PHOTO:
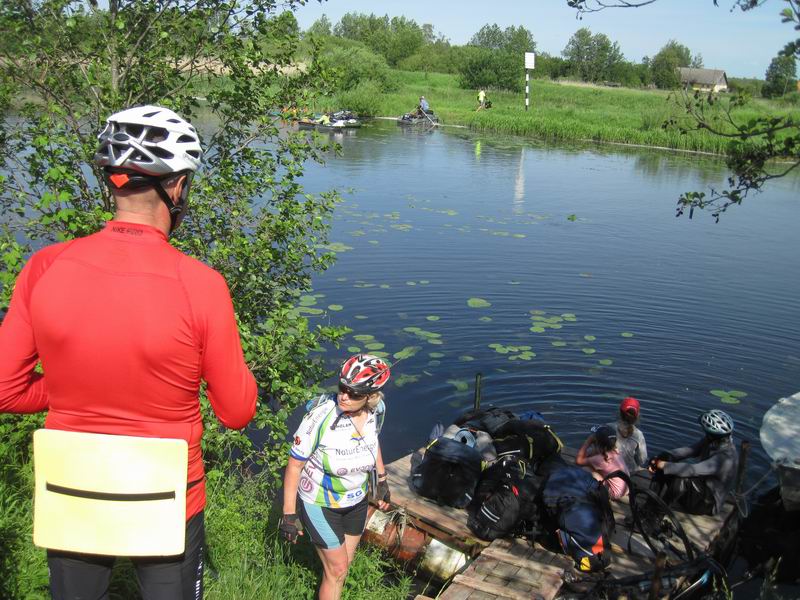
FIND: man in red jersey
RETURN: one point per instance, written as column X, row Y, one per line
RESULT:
column 126, row 327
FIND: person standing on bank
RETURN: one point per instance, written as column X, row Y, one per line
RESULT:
column 481, row 99
column 630, row 439
column 335, row 449
column 126, row 327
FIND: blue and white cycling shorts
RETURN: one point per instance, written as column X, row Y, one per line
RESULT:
column 326, row 527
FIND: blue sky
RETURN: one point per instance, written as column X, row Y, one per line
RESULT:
column 742, row 44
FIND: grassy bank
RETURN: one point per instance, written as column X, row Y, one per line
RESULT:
column 558, row 111
column 245, row 558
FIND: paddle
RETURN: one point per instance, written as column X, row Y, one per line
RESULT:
column 434, row 123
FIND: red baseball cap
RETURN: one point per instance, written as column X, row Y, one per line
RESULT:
column 630, row 405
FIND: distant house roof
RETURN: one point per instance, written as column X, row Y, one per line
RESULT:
column 703, row 76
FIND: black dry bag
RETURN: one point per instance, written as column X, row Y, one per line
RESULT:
column 449, row 473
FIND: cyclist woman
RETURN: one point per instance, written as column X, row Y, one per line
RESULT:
column 335, row 448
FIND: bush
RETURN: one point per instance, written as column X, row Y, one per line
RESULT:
column 439, row 57
column 356, row 64
column 750, row 86
column 495, row 69
column 364, row 99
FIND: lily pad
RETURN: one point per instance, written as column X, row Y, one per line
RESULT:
column 335, row 307
column 558, row 343
column 584, row 350
column 432, row 318
column 307, row 300
column 361, row 317
column 626, row 334
column 384, row 286
column 374, row 242
column 485, row 319
column 364, row 337
column 310, row 311
column 737, row 394
column 411, row 283
column 466, row 358
column 353, row 349
column 337, row 247
column 537, row 329
column 375, row 346
column 407, row 352
column 424, row 282
column 589, row 338
column 459, row 384
column 405, row 378
column 341, row 279
column 435, row 342
column 381, row 354
column 434, row 363
column 436, row 354
column 478, row 303
column 606, row 362
column 513, row 283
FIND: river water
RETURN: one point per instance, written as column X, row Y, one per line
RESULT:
column 562, row 275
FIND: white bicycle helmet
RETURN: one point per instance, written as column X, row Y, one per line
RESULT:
column 716, row 422
column 151, row 140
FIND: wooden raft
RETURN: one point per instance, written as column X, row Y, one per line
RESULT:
column 513, row 569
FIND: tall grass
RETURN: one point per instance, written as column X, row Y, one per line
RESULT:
column 565, row 112
column 245, row 559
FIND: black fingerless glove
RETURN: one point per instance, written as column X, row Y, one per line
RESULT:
column 290, row 527
column 382, row 493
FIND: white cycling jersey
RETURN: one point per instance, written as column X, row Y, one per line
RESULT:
column 338, row 460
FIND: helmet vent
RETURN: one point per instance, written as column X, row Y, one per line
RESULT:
column 173, row 121
column 157, row 134
column 151, row 114
column 134, row 130
column 193, row 153
column 185, row 139
column 161, row 152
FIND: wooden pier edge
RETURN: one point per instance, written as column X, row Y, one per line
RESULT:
column 514, row 569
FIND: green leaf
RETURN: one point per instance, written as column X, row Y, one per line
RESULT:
column 478, row 303
column 626, row 334
column 407, row 352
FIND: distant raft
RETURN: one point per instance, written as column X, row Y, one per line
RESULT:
column 416, row 119
column 342, row 119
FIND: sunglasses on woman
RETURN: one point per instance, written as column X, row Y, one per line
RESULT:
column 356, row 397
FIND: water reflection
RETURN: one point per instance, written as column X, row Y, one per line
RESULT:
column 519, row 183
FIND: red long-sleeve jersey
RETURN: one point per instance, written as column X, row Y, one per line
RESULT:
column 126, row 327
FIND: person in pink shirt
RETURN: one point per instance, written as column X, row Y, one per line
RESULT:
column 599, row 452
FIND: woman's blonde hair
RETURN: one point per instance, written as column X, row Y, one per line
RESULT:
column 373, row 400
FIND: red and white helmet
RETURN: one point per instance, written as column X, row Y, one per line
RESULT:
column 364, row 374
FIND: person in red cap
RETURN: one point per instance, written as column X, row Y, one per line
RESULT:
column 630, row 439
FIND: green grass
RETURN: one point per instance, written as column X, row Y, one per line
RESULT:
column 245, row 558
column 560, row 111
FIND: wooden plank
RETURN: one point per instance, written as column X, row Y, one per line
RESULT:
column 502, row 556
column 529, row 579
column 496, row 590
column 456, row 591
